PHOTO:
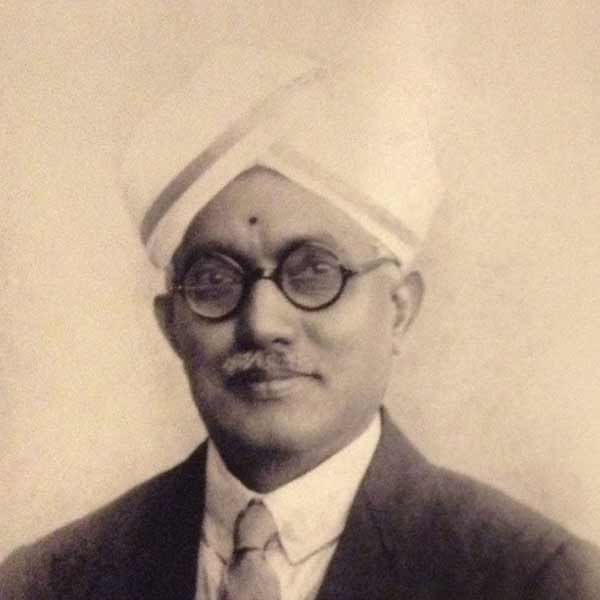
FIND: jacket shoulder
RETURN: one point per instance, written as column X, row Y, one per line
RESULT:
column 484, row 540
column 454, row 534
column 37, row 570
column 497, row 543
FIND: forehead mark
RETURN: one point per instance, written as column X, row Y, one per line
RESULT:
column 256, row 236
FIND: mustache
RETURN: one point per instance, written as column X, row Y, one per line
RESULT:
column 268, row 363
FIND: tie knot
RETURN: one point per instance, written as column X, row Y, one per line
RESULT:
column 254, row 527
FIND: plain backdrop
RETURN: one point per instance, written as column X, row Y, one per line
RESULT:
column 499, row 377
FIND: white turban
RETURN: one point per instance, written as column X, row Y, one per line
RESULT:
column 357, row 141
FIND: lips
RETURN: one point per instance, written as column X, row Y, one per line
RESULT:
column 269, row 384
column 267, row 375
column 255, row 376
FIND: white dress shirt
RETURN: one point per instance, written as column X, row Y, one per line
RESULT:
column 310, row 513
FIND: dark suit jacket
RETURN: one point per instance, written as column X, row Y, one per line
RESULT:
column 415, row 532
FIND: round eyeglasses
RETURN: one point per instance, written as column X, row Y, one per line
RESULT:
column 310, row 276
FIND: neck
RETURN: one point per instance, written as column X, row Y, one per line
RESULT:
column 264, row 472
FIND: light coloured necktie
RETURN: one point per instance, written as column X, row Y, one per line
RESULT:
column 248, row 575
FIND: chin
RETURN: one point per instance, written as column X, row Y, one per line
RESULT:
column 273, row 430
column 277, row 433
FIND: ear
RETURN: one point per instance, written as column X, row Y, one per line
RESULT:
column 407, row 296
column 163, row 312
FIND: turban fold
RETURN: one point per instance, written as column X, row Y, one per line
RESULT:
column 356, row 139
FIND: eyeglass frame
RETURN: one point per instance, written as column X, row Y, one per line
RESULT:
column 252, row 276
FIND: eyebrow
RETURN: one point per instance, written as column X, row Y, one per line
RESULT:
column 325, row 240
column 218, row 246
column 212, row 246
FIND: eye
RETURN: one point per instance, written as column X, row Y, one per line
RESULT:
column 321, row 267
column 309, row 259
column 213, row 276
column 312, row 275
column 313, row 270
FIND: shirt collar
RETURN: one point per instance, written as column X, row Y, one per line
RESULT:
column 310, row 511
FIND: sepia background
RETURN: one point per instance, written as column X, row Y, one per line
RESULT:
column 499, row 377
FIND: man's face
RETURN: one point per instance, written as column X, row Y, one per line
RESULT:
column 332, row 365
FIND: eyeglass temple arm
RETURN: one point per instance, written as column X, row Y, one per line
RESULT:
column 373, row 264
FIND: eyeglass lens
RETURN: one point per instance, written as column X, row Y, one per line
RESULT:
column 310, row 276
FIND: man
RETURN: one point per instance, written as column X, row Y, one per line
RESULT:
column 285, row 203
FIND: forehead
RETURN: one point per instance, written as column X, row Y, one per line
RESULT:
column 260, row 212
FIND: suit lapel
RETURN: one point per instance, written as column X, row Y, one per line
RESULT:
column 381, row 550
column 158, row 558
column 177, row 536
column 359, row 568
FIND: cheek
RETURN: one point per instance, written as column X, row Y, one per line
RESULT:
column 356, row 336
column 203, row 346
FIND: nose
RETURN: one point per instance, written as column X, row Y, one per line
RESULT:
column 267, row 318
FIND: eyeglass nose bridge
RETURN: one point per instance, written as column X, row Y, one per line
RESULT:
column 259, row 274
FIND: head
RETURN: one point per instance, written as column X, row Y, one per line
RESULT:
column 273, row 378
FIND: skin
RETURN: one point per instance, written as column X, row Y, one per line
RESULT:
column 273, row 432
